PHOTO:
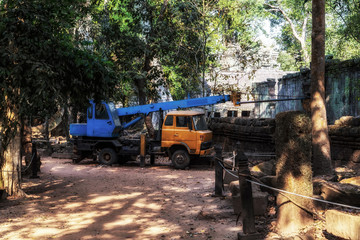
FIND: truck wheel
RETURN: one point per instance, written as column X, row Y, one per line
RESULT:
column 76, row 156
column 107, row 156
column 180, row 159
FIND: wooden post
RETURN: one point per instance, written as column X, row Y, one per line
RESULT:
column 35, row 164
column 219, row 175
column 247, row 207
column 142, row 150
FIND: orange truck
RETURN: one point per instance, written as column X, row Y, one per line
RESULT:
column 184, row 135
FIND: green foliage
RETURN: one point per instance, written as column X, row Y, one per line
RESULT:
column 294, row 18
column 212, row 26
column 287, row 62
column 41, row 64
column 171, row 43
column 155, row 43
column 348, row 12
column 342, row 32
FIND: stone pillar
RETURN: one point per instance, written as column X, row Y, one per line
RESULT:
column 293, row 170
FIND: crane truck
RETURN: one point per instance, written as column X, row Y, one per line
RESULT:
column 181, row 135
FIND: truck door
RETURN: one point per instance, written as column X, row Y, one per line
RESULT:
column 185, row 133
column 167, row 136
column 100, row 124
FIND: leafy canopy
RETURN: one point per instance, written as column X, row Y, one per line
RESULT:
column 42, row 66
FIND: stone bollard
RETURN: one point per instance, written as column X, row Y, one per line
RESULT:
column 293, row 171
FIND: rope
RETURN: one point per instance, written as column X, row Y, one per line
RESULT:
column 221, row 161
column 28, row 166
column 291, row 193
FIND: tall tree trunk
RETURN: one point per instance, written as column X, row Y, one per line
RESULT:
column 320, row 135
column 47, row 137
column 141, row 82
column 140, row 85
column 11, row 170
column 11, row 167
column 26, row 142
column 66, row 121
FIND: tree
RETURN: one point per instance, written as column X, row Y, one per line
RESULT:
column 168, row 43
column 342, row 33
column 349, row 13
column 295, row 23
column 320, row 135
column 342, row 41
column 41, row 67
column 216, row 25
column 136, row 34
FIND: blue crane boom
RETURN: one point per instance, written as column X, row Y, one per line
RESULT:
column 103, row 118
column 180, row 104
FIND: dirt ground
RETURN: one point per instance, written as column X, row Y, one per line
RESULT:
column 90, row 201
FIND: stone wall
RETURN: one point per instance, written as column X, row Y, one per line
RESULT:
column 345, row 141
column 257, row 135
column 292, row 86
column 342, row 90
column 265, row 91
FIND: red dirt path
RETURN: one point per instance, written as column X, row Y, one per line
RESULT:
column 89, row 201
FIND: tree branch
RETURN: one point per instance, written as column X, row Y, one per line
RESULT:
column 299, row 38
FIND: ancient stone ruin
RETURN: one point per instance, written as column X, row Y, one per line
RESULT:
column 278, row 157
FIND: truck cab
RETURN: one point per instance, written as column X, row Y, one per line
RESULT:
column 184, row 135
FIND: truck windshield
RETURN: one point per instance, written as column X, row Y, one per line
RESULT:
column 113, row 114
column 199, row 122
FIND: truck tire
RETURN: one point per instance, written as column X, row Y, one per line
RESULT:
column 180, row 159
column 77, row 155
column 107, row 156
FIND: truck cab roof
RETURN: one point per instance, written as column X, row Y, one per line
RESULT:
column 185, row 113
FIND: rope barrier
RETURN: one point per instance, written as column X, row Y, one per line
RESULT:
column 28, row 166
column 291, row 193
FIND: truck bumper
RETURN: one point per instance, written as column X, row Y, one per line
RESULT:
column 206, row 153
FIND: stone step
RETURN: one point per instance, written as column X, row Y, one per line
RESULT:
column 343, row 224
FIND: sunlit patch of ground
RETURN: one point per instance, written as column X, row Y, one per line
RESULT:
column 86, row 201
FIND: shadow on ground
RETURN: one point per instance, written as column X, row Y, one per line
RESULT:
column 90, row 201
